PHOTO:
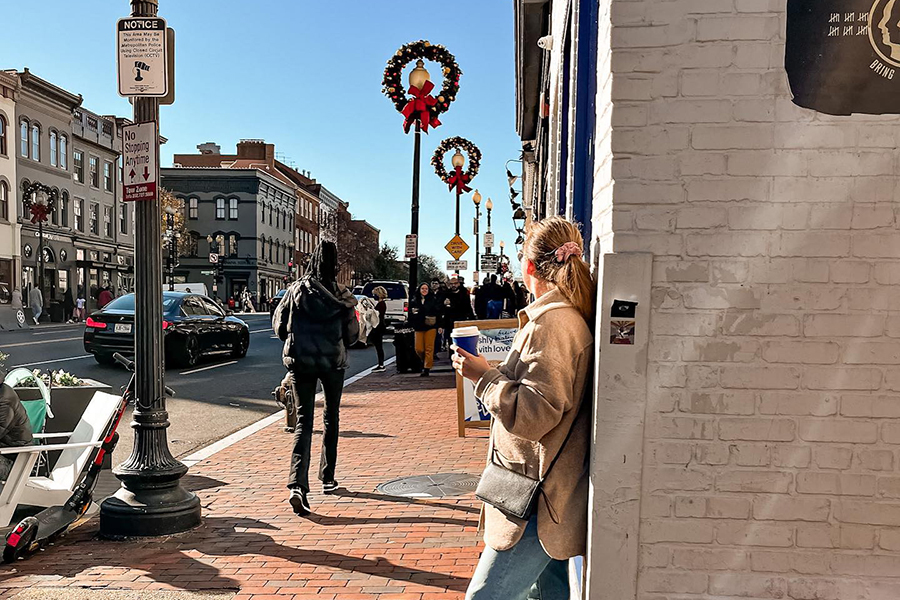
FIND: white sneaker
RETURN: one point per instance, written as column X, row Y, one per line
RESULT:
column 35, row 320
column 378, row 369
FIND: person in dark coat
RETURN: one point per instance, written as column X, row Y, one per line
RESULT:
column 15, row 428
column 521, row 295
column 316, row 319
column 457, row 304
column 495, row 298
column 481, row 299
column 377, row 335
column 425, row 313
column 68, row 306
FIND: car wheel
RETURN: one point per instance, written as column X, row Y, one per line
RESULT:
column 189, row 352
column 104, row 359
column 241, row 344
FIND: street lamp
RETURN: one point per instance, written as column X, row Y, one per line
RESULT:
column 172, row 239
column 476, row 198
column 291, row 262
column 40, row 201
column 220, row 268
column 417, row 79
column 489, row 205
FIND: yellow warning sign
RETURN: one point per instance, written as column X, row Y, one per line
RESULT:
column 457, row 247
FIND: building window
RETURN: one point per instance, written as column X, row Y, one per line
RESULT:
column 23, row 138
column 232, row 245
column 36, row 142
column 79, row 214
column 271, row 210
column 262, row 247
column 63, row 152
column 2, row 135
column 53, row 148
column 95, row 172
column 278, row 252
column 233, row 209
column 78, row 160
column 262, row 212
column 95, row 225
column 107, row 221
column 220, row 209
column 54, row 216
column 270, row 250
column 121, row 170
column 123, row 218
column 64, row 208
column 194, row 250
column 193, row 208
column 107, row 176
column 4, row 201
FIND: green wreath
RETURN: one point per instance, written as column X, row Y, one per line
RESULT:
column 422, row 107
column 457, row 179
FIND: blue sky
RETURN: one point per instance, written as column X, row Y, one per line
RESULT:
column 306, row 76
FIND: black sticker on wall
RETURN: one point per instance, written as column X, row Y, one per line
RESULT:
column 843, row 56
column 622, row 309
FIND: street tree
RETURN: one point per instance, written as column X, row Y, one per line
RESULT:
column 387, row 264
column 168, row 200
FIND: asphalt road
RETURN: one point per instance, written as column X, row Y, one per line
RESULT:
column 214, row 399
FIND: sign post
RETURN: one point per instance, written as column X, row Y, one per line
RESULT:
column 151, row 501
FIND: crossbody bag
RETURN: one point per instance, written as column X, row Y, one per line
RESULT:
column 512, row 493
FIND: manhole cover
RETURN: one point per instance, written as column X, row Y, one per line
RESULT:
column 431, row 486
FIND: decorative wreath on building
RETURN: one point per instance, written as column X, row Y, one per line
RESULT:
column 39, row 211
column 422, row 107
column 457, row 179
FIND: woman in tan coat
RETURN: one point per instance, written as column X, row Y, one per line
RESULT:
column 536, row 396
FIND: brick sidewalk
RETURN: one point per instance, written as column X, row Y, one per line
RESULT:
column 358, row 545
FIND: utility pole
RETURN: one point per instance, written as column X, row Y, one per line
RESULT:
column 151, row 501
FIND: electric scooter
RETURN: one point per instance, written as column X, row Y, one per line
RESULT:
column 33, row 533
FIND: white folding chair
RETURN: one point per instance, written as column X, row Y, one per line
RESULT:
column 76, row 453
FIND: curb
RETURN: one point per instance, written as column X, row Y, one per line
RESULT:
column 241, row 434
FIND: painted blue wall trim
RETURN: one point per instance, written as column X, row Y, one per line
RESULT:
column 585, row 118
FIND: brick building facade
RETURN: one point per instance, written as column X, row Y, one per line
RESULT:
column 745, row 444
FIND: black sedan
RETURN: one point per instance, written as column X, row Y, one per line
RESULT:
column 273, row 303
column 193, row 325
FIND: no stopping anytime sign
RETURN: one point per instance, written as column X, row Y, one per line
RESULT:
column 139, row 155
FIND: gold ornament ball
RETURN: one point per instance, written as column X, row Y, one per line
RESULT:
column 440, row 98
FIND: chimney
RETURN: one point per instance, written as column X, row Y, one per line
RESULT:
column 252, row 149
column 209, row 148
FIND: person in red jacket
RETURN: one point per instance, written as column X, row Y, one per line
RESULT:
column 105, row 297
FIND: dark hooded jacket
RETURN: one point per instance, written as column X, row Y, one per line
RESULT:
column 316, row 319
column 15, row 428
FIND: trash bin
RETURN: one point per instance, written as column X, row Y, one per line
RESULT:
column 57, row 312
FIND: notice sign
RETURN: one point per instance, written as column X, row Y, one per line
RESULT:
column 457, row 265
column 141, row 55
column 843, row 56
column 412, row 246
column 139, row 155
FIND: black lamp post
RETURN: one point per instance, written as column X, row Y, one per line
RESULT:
column 476, row 199
column 40, row 200
column 220, row 267
column 417, row 79
column 151, row 501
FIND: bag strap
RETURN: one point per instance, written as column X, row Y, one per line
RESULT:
column 584, row 401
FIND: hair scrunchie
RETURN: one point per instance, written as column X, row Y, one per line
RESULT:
column 566, row 250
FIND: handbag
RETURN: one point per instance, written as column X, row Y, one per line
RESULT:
column 512, row 493
column 430, row 321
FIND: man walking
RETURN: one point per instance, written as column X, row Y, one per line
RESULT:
column 36, row 302
column 316, row 319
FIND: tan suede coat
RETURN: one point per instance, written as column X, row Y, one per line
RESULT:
column 534, row 396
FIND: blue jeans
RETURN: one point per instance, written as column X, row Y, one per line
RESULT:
column 523, row 572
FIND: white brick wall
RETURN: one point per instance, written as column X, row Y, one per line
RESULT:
column 770, row 442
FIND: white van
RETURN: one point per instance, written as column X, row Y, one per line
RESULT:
column 194, row 288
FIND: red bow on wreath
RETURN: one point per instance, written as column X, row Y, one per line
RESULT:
column 459, row 181
column 39, row 213
column 417, row 109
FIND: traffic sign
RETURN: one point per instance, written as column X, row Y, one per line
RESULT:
column 489, row 240
column 207, row 272
column 457, row 265
column 457, row 247
column 214, row 259
column 490, row 263
column 139, row 151
column 142, row 57
column 412, row 246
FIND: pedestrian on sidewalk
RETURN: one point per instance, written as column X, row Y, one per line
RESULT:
column 425, row 316
column 457, row 304
column 68, row 306
column 316, row 319
column 36, row 302
column 539, row 429
column 80, row 303
column 377, row 335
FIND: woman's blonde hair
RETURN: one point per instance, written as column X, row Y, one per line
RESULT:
column 555, row 247
column 380, row 292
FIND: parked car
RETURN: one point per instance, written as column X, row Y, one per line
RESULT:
column 193, row 325
column 397, row 301
column 274, row 300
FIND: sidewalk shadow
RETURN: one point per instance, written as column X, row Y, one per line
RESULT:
column 356, row 434
column 329, row 520
column 404, row 500
column 220, row 537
